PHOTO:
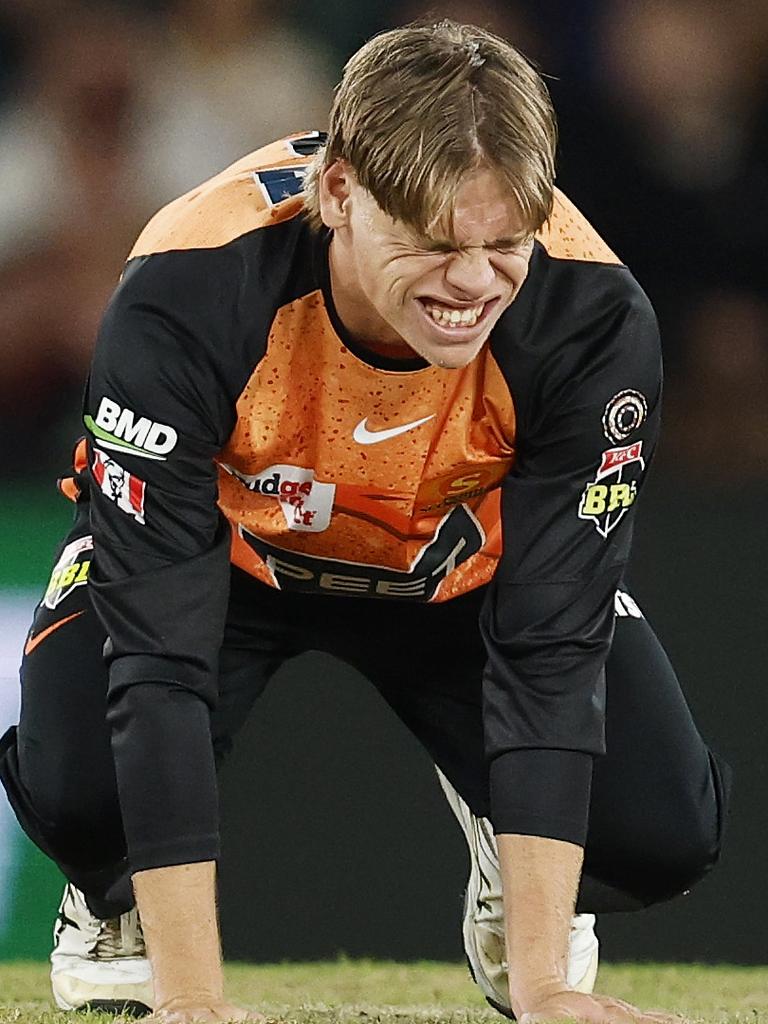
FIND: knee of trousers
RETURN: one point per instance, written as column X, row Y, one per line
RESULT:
column 82, row 828
column 653, row 875
column 664, row 863
column 674, row 871
column 701, row 834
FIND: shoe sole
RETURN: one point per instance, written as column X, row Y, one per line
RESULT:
column 71, row 993
column 126, row 1008
column 503, row 1010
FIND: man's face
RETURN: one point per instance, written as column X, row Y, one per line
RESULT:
column 440, row 295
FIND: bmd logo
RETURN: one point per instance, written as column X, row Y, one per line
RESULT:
column 120, row 430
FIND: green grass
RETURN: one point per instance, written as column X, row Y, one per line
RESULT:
column 427, row 993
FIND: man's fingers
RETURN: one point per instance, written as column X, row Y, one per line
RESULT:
column 594, row 1009
column 659, row 1017
column 577, row 1006
column 202, row 1015
column 643, row 1016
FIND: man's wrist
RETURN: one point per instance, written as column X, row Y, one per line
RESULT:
column 526, row 994
column 177, row 905
column 539, row 880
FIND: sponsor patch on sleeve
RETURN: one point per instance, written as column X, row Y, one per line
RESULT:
column 70, row 571
column 606, row 499
column 121, row 430
column 624, row 414
column 126, row 490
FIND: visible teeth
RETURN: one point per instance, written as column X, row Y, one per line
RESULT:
column 447, row 317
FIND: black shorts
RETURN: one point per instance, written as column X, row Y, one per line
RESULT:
column 658, row 795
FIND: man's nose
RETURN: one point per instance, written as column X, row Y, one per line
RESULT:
column 470, row 272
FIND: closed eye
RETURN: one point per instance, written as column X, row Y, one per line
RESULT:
column 505, row 246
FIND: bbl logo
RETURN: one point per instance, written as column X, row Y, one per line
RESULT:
column 70, row 571
column 624, row 414
column 612, row 493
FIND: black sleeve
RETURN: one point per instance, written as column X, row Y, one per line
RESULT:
column 589, row 421
column 158, row 408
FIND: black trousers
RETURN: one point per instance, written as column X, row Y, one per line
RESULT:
column 658, row 798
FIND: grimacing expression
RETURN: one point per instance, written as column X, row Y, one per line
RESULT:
column 442, row 294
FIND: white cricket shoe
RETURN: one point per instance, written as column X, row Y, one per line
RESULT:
column 99, row 965
column 483, row 927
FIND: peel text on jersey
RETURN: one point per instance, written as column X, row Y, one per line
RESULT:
column 363, row 435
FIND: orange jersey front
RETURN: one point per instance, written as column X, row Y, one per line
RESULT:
column 341, row 461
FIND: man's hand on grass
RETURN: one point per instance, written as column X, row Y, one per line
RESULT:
column 193, row 1011
column 593, row 1009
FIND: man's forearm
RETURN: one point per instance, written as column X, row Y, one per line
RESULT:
column 177, row 906
column 540, row 878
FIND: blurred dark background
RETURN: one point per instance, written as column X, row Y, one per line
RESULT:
column 336, row 836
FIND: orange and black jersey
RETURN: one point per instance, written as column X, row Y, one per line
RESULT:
column 231, row 418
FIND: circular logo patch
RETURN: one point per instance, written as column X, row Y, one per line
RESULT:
column 624, row 414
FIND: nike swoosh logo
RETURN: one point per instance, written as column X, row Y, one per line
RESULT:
column 33, row 641
column 365, row 436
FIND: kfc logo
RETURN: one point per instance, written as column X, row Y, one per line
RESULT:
column 120, row 486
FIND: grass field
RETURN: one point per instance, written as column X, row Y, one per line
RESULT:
column 427, row 993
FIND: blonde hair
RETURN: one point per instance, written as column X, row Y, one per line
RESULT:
column 420, row 106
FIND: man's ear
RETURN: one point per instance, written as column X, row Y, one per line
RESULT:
column 334, row 193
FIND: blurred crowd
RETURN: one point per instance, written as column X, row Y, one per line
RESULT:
column 109, row 109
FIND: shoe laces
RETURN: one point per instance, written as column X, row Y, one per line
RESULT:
column 119, row 937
